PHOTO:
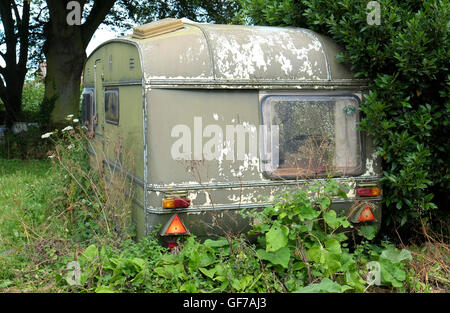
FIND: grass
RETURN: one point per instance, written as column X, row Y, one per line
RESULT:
column 36, row 245
column 23, row 192
column 27, row 236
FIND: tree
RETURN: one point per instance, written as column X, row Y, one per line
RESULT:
column 44, row 32
column 15, row 37
column 65, row 53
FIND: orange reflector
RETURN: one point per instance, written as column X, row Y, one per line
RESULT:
column 176, row 227
column 366, row 215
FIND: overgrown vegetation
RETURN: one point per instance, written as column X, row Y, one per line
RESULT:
column 67, row 213
column 27, row 144
column 405, row 60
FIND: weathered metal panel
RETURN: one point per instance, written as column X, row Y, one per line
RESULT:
column 171, row 107
column 252, row 53
column 182, row 54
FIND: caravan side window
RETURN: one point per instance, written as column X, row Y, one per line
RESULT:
column 112, row 106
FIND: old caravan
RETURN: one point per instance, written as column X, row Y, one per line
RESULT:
column 222, row 118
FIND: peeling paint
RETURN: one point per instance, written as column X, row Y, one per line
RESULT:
column 370, row 171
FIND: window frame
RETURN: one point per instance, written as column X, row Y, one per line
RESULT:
column 263, row 96
column 112, row 90
column 91, row 92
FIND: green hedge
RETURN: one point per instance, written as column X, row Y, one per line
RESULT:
column 405, row 59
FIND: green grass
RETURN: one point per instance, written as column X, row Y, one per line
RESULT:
column 36, row 242
column 26, row 189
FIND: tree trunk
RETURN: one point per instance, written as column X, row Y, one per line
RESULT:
column 65, row 60
column 15, row 30
column 64, row 50
column 13, row 101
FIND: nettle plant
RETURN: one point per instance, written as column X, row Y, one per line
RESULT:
column 305, row 241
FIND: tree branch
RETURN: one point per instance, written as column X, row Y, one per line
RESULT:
column 8, row 26
column 16, row 12
column 95, row 18
column 24, row 37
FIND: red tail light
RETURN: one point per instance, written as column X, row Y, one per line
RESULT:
column 366, row 215
column 174, row 203
column 368, row 192
column 172, row 245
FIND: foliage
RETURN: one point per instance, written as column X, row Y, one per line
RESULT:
column 39, row 241
column 301, row 248
column 25, row 145
column 305, row 241
column 212, row 11
column 32, row 95
column 99, row 197
column 407, row 110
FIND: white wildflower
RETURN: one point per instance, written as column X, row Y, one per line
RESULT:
column 70, row 146
column 67, row 128
column 75, row 120
column 70, row 116
column 46, row 135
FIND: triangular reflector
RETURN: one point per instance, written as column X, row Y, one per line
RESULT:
column 176, row 227
column 366, row 215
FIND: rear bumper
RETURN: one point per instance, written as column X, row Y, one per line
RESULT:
column 213, row 221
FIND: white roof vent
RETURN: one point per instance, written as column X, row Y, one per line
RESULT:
column 160, row 27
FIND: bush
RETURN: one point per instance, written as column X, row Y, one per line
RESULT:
column 407, row 110
column 24, row 145
column 32, row 96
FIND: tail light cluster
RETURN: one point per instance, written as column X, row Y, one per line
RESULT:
column 176, row 203
column 368, row 192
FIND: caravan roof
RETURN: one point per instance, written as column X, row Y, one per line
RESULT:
column 237, row 54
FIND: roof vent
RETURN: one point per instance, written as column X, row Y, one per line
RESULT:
column 160, row 27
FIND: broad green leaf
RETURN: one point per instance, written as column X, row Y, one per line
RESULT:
column 209, row 273
column 189, row 287
column 308, row 212
column 221, row 242
column 394, row 255
column 90, row 253
column 317, row 254
column 276, row 238
column 279, row 257
column 105, row 289
column 170, row 271
column 341, row 193
column 325, row 203
column 206, row 259
column 331, row 219
column 368, row 231
column 326, row 285
column 140, row 263
column 333, row 246
column 392, row 273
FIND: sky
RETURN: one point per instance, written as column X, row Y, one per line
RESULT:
column 100, row 36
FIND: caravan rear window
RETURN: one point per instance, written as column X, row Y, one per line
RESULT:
column 318, row 135
column 112, row 106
